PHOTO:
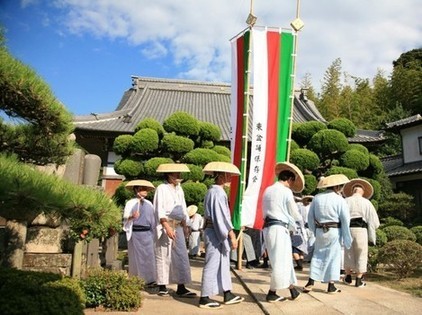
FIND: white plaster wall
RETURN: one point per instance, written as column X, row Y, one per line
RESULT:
column 410, row 140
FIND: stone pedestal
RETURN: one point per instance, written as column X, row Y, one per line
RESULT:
column 55, row 263
column 43, row 239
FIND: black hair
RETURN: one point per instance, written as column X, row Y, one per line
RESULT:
column 286, row 175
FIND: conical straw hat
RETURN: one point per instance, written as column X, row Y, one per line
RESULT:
column 299, row 183
column 140, row 182
column 332, row 180
column 350, row 186
column 192, row 210
column 221, row 167
column 172, row 168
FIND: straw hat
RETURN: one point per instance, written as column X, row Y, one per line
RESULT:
column 350, row 186
column 140, row 182
column 332, row 180
column 192, row 210
column 172, row 168
column 299, row 183
column 222, row 167
column 308, row 197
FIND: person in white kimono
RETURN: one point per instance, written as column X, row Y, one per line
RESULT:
column 171, row 214
column 218, row 230
column 304, row 210
column 299, row 238
column 196, row 223
column 280, row 214
column 139, row 224
column 363, row 224
column 329, row 220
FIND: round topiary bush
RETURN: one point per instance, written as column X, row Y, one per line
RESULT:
column 222, row 150
column 327, row 142
column 177, row 144
column 417, row 230
column 206, row 144
column 350, row 173
column 374, row 168
column 359, row 147
column 150, row 166
column 293, row 145
column 128, row 167
column 381, row 238
column 145, row 141
column 121, row 195
column 303, row 132
column 377, row 189
column 194, row 192
column 304, row 159
column 151, row 123
column 200, row 156
column 195, row 173
column 343, row 125
column 394, row 232
column 403, row 256
column 122, row 144
column 390, row 221
column 182, row 123
column 209, row 131
column 354, row 159
column 311, row 184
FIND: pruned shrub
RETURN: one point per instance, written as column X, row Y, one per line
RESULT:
column 128, row 167
column 293, row 145
column 417, row 230
column 151, row 123
column 145, row 141
column 311, row 184
column 182, row 123
column 177, row 144
column 200, row 156
column 194, row 192
column 122, row 144
column 150, row 166
column 343, row 125
column 381, row 238
column 222, row 150
column 354, row 159
column 304, row 159
column 374, row 168
column 121, row 195
column 206, row 144
column 399, row 233
column 303, row 132
column 403, row 256
column 372, row 258
column 327, row 142
column 209, row 131
column 389, row 221
column 194, row 175
column 350, row 173
column 399, row 205
column 376, row 185
column 359, row 147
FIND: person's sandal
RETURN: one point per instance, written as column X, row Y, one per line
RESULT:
column 308, row 288
column 206, row 302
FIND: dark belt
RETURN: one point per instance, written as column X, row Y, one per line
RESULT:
column 269, row 222
column 358, row 222
column 208, row 224
column 141, row 228
column 327, row 225
column 194, row 230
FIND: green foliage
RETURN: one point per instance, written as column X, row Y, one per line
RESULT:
column 343, row 125
column 129, row 168
column 150, row 166
column 29, row 292
column 122, row 144
column 200, row 156
column 311, row 184
column 417, row 230
column 194, row 192
column 222, row 150
column 374, row 169
column 182, row 123
column 122, row 195
column 403, row 256
column 293, row 146
column 195, row 173
column 206, row 144
column 145, row 141
column 177, row 145
column 377, row 189
column 399, row 205
column 390, row 221
column 395, row 232
column 114, row 290
column 350, row 173
column 305, row 159
column 303, row 132
column 359, row 147
column 373, row 258
column 151, row 123
column 327, row 142
column 381, row 238
column 209, row 131
column 355, row 159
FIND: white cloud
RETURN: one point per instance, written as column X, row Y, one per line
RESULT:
column 365, row 34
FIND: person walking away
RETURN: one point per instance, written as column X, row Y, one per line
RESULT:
column 280, row 214
column 219, row 237
column 171, row 214
column 299, row 238
column 196, row 223
column 304, row 210
column 329, row 220
column 139, row 224
column 363, row 224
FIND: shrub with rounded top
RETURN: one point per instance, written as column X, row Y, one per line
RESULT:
column 394, row 232
column 359, row 147
column 377, row 189
column 222, row 150
column 350, row 173
column 403, row 256
column 182, row 123
column 150, row 167
column 304, row 159
column 381, row 238
column 343, row 125
column 194, row 192
column 293, row 145
column 417, row 230
column 209, row 131
column 128, row 167
column 207, row 144
column 328, row 141
column 145, row 141
column 200, row 156
column 372, row 258
column 310, row 184
column 390, row 221
column 151, row 123
column 122, row 144
column 303, row 132
column 354, row 159
column 194, row 175
column 374, row 168
column 177, row 144
column 121, row 195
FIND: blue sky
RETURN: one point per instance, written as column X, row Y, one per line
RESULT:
column 87, row 50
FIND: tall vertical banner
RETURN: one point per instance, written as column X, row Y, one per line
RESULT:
column 272, row 70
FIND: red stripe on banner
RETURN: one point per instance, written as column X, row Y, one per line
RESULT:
column 237, row 156
column 273, row 46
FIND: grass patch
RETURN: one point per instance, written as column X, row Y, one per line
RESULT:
column 412, row 284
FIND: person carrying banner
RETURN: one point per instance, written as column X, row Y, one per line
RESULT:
column 329, row 220
column 363, row 223
column 219, row 237
column 171, row 215
column 280, row 214
column 139, row 224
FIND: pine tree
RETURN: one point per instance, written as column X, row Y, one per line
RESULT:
column 330, row 91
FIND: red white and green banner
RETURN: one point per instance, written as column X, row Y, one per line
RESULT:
column 270, row 114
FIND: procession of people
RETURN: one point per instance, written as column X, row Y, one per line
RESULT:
column 163, row 235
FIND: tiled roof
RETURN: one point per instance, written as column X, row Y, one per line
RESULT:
column 406, row 122
column 158, row 98
column 394, row 166
column 365, row 136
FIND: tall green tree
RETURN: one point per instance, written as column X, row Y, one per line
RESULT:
column 306, row 84
column 329, row 104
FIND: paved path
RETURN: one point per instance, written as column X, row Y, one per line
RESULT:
column 252, row 284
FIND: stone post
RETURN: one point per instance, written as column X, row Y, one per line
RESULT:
column 15, row 248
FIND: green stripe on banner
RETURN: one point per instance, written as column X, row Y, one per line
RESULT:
column 285, row 90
